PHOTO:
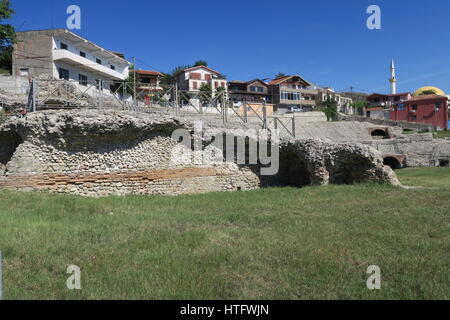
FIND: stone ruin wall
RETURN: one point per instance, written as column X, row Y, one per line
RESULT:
column 113, row 162
column 99, row 153
column 420, row 150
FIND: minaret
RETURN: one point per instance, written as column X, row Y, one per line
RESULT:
column 393, row 80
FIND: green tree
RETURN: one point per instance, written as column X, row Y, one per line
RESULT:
column 205, row 93
column 127, row 86
column 170, row 78
column 280, row 75
column 201, row 63
column 7, row 36
column 220, row 90
column 329, row 107
column 425, row 92
column 360, row 104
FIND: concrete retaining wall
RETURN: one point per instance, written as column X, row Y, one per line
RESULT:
column 14, row 85
column 386, row 122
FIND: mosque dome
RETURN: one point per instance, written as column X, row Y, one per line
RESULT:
column 429, row 90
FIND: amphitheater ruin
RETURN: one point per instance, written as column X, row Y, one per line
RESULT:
column 113, row 151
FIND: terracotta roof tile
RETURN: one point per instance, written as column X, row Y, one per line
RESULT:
column 198, row 67
column 149, row 72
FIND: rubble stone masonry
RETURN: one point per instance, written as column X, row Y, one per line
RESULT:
column 99, row 153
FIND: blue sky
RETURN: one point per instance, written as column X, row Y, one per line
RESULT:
column 327, row 42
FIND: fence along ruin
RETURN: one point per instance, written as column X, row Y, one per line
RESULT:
column 48, row 93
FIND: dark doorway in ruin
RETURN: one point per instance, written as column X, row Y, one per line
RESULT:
column 293, row 172
column 8, row 146
column 445, row 163
column 380, row 134
column 392, row 162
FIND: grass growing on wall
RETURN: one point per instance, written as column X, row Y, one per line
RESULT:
column 442, row 134
column 311, row 243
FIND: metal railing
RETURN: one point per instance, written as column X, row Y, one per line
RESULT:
column 50, row 93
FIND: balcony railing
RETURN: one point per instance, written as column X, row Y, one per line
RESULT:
column 86, row 64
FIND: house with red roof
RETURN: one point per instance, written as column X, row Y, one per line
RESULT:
column 289, row 92
column 248, row 91
column 148, row 80
column 192, row 79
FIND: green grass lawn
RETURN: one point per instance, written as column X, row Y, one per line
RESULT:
column 311, row 243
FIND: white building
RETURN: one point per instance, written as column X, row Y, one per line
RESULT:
column 65, row 55
column 192, row 79
column 343, row 104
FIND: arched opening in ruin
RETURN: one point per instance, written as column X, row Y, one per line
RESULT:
column 292, row 172
column 392, row 162
column 380, row 134
column 445, row 163
column 8, row 146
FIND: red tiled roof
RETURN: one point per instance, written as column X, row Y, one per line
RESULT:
column 279, row 80
column 149, row 72
column 285, row 78
column 198, row 67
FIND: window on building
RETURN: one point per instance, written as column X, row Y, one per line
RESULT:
column 401, row 107
column 82, row 80
column 63, row 74
column 414, row 107
column 24, row 72
column 437, row 106
column 253, row 89
column 194, row 85
column 397, row 99
column 413, row 118
column 113, row 67
column 99, row 84
column 99, row 61
column 64, row 46
column 82, row 54
column 292, row 96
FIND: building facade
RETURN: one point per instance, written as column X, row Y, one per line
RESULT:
column 248, row 91
column 148, row 82
column 344, row 104
column 292, row 92
column 65, row 55
column 192, row 79
column 428, row 109
column 378, row 100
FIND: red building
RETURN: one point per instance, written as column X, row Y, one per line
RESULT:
column 430, row 109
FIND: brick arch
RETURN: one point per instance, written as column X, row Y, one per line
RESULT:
column 394, row 161
column 380, row 133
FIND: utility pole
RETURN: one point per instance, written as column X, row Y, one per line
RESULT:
column 134, row 81
column 177, row 100
column 264, row 109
